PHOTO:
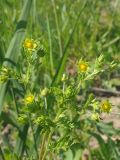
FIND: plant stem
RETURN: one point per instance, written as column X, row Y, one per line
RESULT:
column 50, row 43
column 15, row 104
column 58, row 30
column 35, row 144
column 48, row 141
column 42, row 146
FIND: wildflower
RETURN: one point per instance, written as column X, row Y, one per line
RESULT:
column 83, row 66
column 29, row 99
column 29, row 44
column 106, row 106
column 95, row 117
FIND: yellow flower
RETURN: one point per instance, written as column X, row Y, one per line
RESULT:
column 83, row 66
column 95, row 117
column 29, row 99
column 29, row 44
column 106, row 106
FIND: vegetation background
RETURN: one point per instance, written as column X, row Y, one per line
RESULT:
column 68, row 30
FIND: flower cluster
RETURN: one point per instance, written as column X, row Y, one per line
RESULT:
column 56, row 108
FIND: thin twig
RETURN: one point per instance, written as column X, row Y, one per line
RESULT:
column 102, row 91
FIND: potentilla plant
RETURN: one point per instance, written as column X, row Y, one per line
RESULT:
column 62, row 121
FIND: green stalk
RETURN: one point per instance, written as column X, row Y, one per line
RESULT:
column 46, row 147
column 42, row 146
column 14, row 101
column 14, row 47
column 57, row 27
column 111, row 42
column 2, row 54
column 50, row 43
column 33, row 24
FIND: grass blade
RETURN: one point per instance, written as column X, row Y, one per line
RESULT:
column 50, row 43
column 20, row 145
column 102, row 143
column 13, row 49
column 57, row 28
column 2, row 154
column 10, row 118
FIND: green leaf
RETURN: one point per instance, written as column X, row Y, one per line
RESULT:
column 21, row 141
column 14, row 47
column 107, row 129
column 10, row 118
column 104, row 150
column 68, row 155
column 13, row 54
